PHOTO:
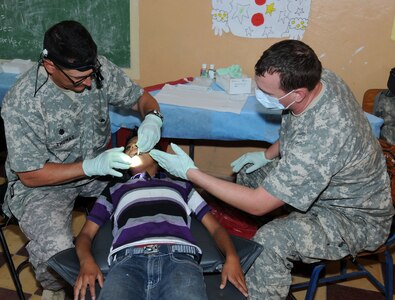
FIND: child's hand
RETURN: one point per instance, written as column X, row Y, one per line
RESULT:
column 89, row 272
column 232, row 271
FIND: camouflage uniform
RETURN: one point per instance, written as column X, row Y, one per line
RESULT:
column 333, row 173
column 56, row 126
column 384, row 107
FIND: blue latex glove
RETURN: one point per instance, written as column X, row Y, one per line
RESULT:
column 177, row 165
column 106, row 162
column 257, row 159
column 149, row 133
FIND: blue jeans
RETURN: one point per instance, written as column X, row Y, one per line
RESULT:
column 165, row 276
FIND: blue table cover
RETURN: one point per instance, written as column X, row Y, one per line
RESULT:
column 7, row 80
column 253, row 123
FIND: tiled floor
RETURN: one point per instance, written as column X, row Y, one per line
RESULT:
column 16, row 243
column 356, row 289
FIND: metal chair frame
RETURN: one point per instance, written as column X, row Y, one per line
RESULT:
column 14, row 271
column 316, row 278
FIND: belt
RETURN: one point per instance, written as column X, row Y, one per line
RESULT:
column 160, row 248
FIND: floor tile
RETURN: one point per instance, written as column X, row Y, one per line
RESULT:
column 15, row 238
column 299, row 295
column 6, row 294
column 372, row 267
column 29, row 283
column 28, row 280
column 336, row 292
column 16, row 241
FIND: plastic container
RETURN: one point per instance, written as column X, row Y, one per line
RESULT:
column 212, row 72
column 203, row 70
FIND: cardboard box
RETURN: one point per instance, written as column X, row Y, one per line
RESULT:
column 235, row 85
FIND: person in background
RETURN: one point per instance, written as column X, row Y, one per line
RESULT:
column 57, row 127
column 327, row 166
column 153, row 254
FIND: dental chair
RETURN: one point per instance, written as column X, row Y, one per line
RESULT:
column 66, row 263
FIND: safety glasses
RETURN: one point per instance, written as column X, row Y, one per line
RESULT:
column 94, row 75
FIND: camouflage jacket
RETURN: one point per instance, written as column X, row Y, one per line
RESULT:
column 384, row 107
column 60, row 126
column 332, row 166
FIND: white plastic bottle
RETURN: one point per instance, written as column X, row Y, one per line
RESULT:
column 211, row 72
column 203, row 70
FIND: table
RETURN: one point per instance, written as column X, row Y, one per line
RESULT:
column 254, row 123
column 7, row 80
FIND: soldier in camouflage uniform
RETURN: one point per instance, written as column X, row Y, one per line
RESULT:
column 327, row 165
column 57, row 130
column 384, row 107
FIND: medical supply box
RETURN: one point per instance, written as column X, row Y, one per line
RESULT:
column 235, row 85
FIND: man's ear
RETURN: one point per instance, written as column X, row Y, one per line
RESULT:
column 300, row 94
column 49, row 66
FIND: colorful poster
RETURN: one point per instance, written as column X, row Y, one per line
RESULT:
column 261, row 18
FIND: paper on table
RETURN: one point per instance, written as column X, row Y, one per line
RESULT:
column 212, row 100
column 16, row 66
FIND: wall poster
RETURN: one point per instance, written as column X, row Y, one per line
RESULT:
column 261, row 18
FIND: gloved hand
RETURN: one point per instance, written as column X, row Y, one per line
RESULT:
column 106, row 162
column 149, row 133
column 257, row 159
column 177, row 165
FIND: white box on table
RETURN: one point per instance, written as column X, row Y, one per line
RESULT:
column 235, row 85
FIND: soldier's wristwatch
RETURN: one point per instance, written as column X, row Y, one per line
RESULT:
column 156, row 113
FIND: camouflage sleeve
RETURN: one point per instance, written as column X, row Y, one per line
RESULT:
column 302, row 174
column 312, row 151
column 326, row 153
column 384, row 107
column 25, row 135
column 120, row 89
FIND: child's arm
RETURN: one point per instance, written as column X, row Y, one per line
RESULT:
column 89, row 270
column 231, row 270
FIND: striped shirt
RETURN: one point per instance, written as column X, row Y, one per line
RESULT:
column 149, row 210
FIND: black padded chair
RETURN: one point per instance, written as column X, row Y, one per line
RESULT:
column 66, row 263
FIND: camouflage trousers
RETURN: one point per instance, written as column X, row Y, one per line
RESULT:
column 46, row 222
column 296, row 237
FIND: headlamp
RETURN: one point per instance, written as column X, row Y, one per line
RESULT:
column 92, row 64
column 68, row 63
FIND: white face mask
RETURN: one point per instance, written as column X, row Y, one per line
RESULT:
column 271, row 102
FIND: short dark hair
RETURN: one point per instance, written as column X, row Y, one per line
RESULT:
column 295, row 62
column 70, row 45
